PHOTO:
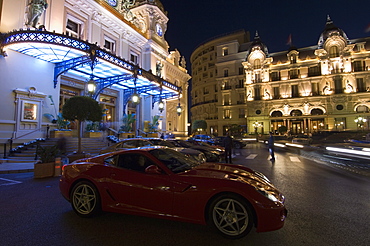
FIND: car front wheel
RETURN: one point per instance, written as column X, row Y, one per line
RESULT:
column 85, row 199
column 231, row 216
column 237, row 146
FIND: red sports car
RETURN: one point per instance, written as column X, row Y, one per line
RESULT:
column 161, row 182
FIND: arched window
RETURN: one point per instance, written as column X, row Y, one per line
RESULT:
column 296, row 112
column 276, row 114
column 362, row 109
column 333, row 52
column 317, row 111
column 257, row 64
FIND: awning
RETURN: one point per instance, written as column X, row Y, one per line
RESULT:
column 86, row 60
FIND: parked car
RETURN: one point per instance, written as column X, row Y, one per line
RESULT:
column 302, row 139
column 127, row 144
column 163, row 183
column 219, row 149
column 237, row 144
column 196, row 154
column 212, row 155
column 202, row 137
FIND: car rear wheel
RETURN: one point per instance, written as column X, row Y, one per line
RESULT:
column 231, row 216
column 237, row 145
column 85, row 199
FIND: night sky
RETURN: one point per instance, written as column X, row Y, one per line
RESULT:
column 191, row 22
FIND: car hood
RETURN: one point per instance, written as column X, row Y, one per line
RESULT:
column 228, row 172
column 187, row 150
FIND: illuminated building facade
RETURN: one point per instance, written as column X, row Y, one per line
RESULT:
column 52, row 50
column 324, row 87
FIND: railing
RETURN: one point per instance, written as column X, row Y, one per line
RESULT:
column 11, row 140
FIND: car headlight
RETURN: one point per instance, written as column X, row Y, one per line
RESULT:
column 269, row 194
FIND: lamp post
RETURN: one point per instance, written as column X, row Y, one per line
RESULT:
column 256, row 125
column 361, row 121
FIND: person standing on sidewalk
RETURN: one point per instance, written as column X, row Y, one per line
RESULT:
column 271, row 146
column 228, row 144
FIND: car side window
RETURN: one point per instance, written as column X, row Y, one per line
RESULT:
column 134, row 162
column 113, row 160
column 128, row 144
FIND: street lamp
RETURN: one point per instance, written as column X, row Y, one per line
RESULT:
column 179, row 109
column 360, row 122
column 91, row 86
column 161, row 106
column 256, row 125
column 135, row 98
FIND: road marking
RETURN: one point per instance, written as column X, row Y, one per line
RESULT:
column 294, row 159
column 8, row 182
column 251, row 156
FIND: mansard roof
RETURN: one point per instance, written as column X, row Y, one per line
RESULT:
column 257, row 42
column 328, row 30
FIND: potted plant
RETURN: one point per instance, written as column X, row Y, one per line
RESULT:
column 153, row 126
column 92, row 130
column 127, row 125
column 46, row 163
column 80, row 109
column 62, row 124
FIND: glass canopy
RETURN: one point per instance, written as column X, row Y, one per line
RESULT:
column 80, row 58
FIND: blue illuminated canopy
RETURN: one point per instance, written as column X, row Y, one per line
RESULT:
column 86, row 60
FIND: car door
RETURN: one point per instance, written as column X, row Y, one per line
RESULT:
column 138, row 191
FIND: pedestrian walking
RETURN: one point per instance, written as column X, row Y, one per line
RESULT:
column 62, row 145
column 228, row 144
column 271, row 146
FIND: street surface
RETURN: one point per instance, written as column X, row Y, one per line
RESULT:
column 326, row 206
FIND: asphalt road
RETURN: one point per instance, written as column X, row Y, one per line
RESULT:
column 327, row 206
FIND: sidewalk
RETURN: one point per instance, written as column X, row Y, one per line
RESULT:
column 13, row 167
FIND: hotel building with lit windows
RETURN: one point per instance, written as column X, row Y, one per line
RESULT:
column 50, row 50
column 324, row 87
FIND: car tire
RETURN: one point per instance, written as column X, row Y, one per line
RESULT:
column 85, row 199
column 237, row 146
column 231, row 216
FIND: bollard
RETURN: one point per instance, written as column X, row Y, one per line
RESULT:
column 4, row 157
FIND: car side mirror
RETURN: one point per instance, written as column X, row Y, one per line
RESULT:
column 153, row 169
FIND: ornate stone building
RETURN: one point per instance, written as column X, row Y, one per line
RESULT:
column 317, row 88
column 51, row 50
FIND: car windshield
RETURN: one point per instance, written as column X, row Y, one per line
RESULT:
column 185, row 144
column 175, row 161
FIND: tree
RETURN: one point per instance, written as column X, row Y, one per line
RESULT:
column 81, row 108
column 202, row 124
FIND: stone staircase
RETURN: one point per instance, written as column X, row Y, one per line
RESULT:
column 91, row 146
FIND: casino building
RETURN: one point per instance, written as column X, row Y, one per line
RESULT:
column 51, row 50
column 324, row 87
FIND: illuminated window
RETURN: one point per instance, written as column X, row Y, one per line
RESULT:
column 226, row 99
column 225, row 51
column 257, row 64
column 360, row 85
column 293, row 59
column 227, row 113
column 109, row 44
column 295, row 92
column 333, row 52
column 134, row 58
column 293, row 74
column 73, row 28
